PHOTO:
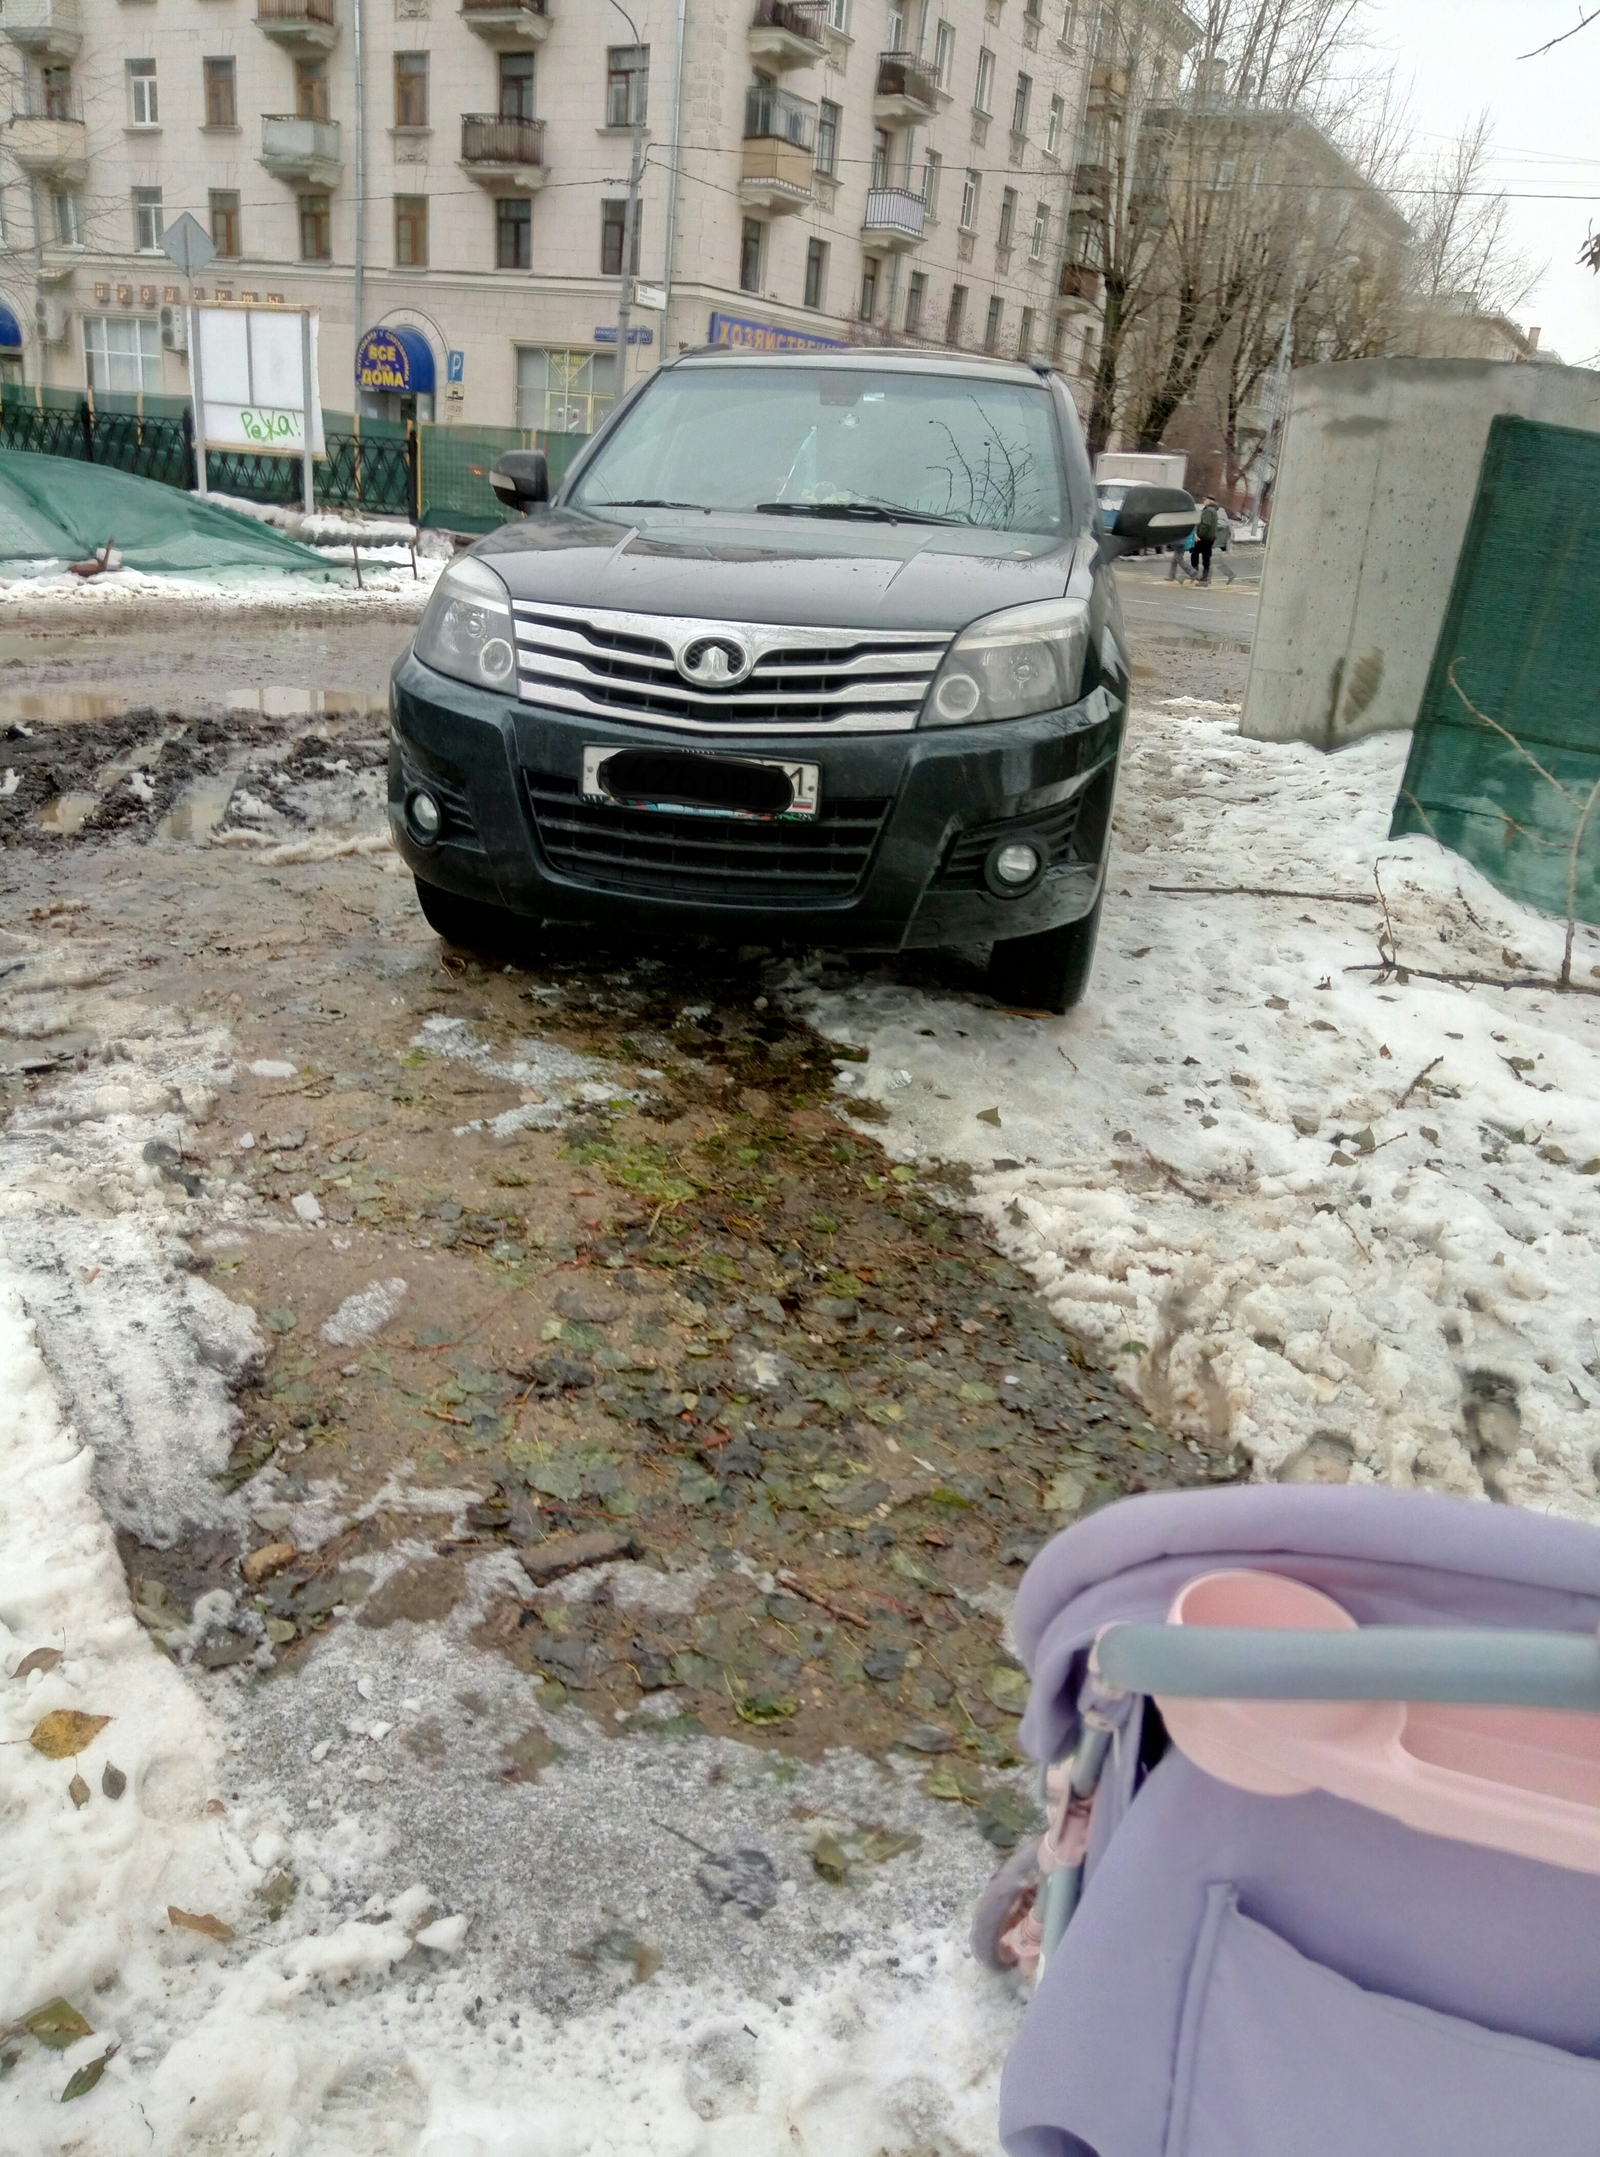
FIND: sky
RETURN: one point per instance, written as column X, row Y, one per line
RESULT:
column 1460, row 56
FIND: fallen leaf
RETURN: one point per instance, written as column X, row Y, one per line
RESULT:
column 745, row 1878
column 762, row 1708
column 879, row 1844
column 269, row 1559
column 78, row 1791
column 64, row 1732
column 192, row 1921
column 57, row 2024
column 277, row 1893
column 829, row 1861
column 955, row 1782
column 86, row 2077
column 531, row 1755
column 1006, row 1686
column 989, row 1115
column 39, row 1659
column 112, row 1781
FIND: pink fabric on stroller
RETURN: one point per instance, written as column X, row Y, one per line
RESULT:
column 1255, row 1976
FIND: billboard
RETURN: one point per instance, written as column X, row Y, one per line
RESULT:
column 254, row 386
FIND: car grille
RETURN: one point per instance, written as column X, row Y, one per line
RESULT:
column 1053, row 830
column 454, row 803
column 719, row 859
column 608, row 665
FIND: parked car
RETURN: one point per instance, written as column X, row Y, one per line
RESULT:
column 817, row 648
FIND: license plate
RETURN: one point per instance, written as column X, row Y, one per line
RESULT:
column 804, row 779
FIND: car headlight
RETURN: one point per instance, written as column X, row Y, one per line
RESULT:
column 467, row 631
column 1028, row 659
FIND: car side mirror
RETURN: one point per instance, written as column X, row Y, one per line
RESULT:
column 1151, row 517
column 521, row 479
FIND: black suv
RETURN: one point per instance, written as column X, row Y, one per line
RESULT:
column 807, row 649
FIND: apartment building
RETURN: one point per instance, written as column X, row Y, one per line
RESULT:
column 446, row 182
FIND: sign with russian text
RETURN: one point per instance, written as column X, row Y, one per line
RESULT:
column 767, row 337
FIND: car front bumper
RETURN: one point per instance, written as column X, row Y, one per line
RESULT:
column 896, row 859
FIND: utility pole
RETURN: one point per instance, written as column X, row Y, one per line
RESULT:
column 358, row 302
column 630, row 218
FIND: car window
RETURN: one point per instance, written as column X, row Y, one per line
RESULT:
column 815, row 441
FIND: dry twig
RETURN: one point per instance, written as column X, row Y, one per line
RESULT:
column 815, row 1595
column 1259, row 891
column 1417, row 1081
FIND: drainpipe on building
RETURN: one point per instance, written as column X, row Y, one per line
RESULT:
column 630, row 220
column 38, row 274
column 670, row 244
column 359, row 276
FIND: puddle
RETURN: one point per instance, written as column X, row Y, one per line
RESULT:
column 67, row 813
column 72, row 707
column 199, row 809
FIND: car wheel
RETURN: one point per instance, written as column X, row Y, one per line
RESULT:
column 472, row 924
column 1047, row 972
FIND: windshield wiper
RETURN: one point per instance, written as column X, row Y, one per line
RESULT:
column 877, row 512
column 649, row 501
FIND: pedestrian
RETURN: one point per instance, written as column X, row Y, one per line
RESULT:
column 1225, row 545
column 1180, row 550
column 1205, row 538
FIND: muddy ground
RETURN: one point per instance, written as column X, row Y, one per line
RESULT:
column 635, row 1288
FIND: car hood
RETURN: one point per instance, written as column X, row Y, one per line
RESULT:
column 778, row 569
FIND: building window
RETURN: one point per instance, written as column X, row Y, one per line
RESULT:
column 411, row 89
column 411, row 232
column 932, row 166
column 613, row 227
column 955, row 319
column 513, row 233
column 122, row 352
column 1069, row 22
column 311, row 89
column 985, row 89
column 970, row 187
column 222, row 106
column 57, row 84
column 1033, row 12
column 1025, row 335
column 839, row 15
column 147, row 220
column 627, row 85
column 944, row 54
column 991, row 327
column 916, row 296
column 750, row 255
column 1019, row 105
column 68, row 219
column 816, row 272
column 827, row 140
column 143, row 107
column 869, row 288
column 316, row 229
column 1041, row 232
column 880, row 158
column 564, row 392
column 516, row 86
column 225, row 222
column 1008, row 217
column 1052, row 132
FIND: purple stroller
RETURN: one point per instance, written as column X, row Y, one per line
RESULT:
column 1322, row 1873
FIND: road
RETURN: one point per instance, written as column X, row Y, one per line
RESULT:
column 1219, row 617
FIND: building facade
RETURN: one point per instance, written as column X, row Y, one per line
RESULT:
column 452, row 176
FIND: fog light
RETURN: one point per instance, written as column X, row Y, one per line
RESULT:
column 496, row 659
column 423, row 816
column 1015, row 865
column 957, row 698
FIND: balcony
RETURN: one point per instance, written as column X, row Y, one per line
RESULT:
column 907, row 90
column 1091, row 183
column 49, row 147
column 1079, row 289
column 780, row 134
column 508, row 24
column 895, row 218
column 788, row 33
column 307, row 153
column 50, row 28
column 1108, row 88
column 298, row 25
column 502, row 152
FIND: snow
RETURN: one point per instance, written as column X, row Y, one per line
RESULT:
column 1340, row 1219
column 366, row 1312
column 389, row 588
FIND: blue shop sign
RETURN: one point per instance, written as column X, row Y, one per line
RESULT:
column 606, row 334
column 395, row 359
column 767, row 337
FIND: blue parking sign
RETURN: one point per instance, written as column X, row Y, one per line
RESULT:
column 455, row 366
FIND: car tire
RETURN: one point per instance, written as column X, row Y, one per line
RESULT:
column 472, row 924
column 1047, row 972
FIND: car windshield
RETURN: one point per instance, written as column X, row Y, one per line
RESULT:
column 842, row 443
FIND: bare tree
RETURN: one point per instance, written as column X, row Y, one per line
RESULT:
column 1463, row 253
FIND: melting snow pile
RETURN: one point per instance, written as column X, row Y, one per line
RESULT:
column 1346, row 1216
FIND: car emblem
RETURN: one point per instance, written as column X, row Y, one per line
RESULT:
column 714, row 662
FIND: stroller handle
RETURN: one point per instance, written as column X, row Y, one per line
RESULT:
column 1465, row 1667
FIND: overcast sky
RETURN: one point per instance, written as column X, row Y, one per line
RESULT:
column 1460, row 55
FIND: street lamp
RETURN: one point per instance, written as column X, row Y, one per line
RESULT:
column 630, row 218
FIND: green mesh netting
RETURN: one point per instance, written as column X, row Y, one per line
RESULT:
column 1505, row 759
column 456, row 462
column 53, row 508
